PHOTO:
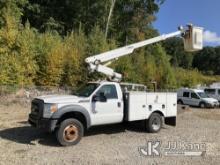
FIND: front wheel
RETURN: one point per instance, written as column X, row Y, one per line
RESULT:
column 154, row 123
column 70, row 132
column 202, row 105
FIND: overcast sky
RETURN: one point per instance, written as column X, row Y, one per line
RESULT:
column 204, row 13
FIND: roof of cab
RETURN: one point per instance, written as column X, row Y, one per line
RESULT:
column 190, row 89
column 103, row 82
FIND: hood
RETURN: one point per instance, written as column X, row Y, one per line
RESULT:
column 210, row 100
column 60, row 98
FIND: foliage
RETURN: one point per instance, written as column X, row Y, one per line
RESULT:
column 191, row 78
column 208, row 60
column 179, row 58
column 45, row 43
column 74, row 48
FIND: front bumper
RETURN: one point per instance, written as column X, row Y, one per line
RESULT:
column 213, row 105
column 44, row 124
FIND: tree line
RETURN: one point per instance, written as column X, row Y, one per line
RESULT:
column 44, row 43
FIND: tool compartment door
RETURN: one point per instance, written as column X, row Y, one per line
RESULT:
column 136, row 106
column 171, row 104
column 156, row 101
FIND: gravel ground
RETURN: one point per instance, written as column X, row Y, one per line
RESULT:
column 115, row 144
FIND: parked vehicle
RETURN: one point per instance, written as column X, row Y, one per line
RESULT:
column 213, row 92
column 101, row 103
column 195, row 97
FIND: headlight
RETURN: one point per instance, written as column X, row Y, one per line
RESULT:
column 211, row 103
column 49, row 109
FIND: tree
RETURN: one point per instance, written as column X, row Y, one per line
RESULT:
column 109, row 17
column 205, row 60
column 11, row 62
column 49, row 58
column 74, row 69
column 65, row 16
column 179, row 57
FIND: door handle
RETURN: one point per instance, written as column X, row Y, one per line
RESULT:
column 119, row 104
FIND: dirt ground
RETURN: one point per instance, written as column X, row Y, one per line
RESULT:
column 115, row 144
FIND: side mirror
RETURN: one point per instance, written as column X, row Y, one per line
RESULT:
column 101, row 97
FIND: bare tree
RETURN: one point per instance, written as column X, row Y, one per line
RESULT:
column 109, row 17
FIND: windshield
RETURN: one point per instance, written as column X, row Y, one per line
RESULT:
column 87, row 90
column 203, row 95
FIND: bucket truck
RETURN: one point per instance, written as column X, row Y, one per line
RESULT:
column 109, row 102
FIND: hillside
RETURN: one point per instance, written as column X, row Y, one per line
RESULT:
column 45, row 43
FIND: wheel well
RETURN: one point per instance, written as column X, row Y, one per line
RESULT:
column 202, row 102
column 159, row 112
column 76, row 115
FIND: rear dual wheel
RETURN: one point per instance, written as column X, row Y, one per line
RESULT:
column 154, row 123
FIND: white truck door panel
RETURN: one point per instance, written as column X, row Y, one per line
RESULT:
column 110, row 111
column 106, row 112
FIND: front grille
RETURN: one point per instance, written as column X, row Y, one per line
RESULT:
column 37, row 107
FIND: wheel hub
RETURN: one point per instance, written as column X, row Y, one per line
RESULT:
column 70, row 133
column 155, row 124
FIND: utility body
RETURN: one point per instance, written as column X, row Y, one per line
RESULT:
column 109, row 102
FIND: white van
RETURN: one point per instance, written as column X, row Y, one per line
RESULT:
column 195, row 97
column 213, row 92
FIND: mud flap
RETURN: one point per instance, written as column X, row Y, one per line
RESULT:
column 170, row 121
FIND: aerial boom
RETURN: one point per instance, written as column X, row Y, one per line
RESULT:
column 192, row 41
column 119, row 52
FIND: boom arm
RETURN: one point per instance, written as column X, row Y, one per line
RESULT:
column 95, row 62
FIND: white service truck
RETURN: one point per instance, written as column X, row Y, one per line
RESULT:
column 109, row 102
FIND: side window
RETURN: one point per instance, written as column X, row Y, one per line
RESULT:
column 210, row 91
column 219, row 92
column 109, row 91
column 194, row 96
column 185, row 94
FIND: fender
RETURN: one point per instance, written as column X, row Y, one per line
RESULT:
column 157, row 111
column 72, row 108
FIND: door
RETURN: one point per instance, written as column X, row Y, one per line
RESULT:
column 109, row 110
column 218, row 95
column 195, row 100
column 186, row 98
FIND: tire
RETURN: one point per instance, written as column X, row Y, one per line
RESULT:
column 70, row 132
column 202, row 105
column 180, row 102
column 154, row 123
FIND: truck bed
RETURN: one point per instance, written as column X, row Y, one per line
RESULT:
column 140, row 105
